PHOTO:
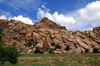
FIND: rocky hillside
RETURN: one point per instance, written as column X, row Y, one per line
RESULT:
column 48, row 37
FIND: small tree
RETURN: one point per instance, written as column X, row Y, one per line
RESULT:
column 9, row 54
column 95, row 50
column 67, row 48
column 86, row 50
column 12, row 54
column 2, row 49
column 58, row 46
column 2, row 54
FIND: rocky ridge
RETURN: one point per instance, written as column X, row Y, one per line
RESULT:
column 45, row 33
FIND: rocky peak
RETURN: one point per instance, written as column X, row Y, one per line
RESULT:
column 47, row 23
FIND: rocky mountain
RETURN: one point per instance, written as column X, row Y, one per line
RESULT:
column 48, row 37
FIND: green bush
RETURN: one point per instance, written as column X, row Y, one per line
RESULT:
column 58, row 46
column 9, row 54
column 38, row 50
column 2, row 54
column 52, row 44
column 29, row 43
column 47, row 48
column 35, row 43
column 95, row 50
column 51, row 50
column 86, row 50
column 2, row 49
column 67, row 48
column 12, row 54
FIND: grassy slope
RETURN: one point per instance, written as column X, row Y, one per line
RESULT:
column 57, row 60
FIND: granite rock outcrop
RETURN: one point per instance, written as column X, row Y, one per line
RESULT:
column 46, row 32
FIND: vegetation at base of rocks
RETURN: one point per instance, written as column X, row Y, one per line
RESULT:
column 37, row 50
column 7, row 54
column 86, row 50
column 51, row 50
column 58, row 46
column 35, row 43
column 29, row 43
column 52, row 44
column 12, row 54
column 47, row 48
column 67, row 48
column 95, row 50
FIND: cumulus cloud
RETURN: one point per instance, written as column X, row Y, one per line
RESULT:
column 82, row 19
column 20, row 17
column 3, row 17
column 59, row 18
column 91, row 13
column 23, row 19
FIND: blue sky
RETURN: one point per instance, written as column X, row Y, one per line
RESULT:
column 74, row 14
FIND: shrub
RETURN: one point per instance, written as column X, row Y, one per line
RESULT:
column 51, row 50
column 58, row 46
column 29, row 43
column 67, row 48
column 35, row 43
column 38, row 50
column 12, row 54
column 95, row 50
column 52, row 44
column 87, row 50
column 2, row 54
column 9, row 54
column 47, row 48
column 2, row 49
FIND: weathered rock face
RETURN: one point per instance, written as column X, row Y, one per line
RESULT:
column 46, row 23
column 47, row 32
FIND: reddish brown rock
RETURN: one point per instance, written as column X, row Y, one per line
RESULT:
column 46, row 43
column 46, row 32
column 35, row 36
column 46, row 23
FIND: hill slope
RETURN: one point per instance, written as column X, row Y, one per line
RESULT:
column 45, row 34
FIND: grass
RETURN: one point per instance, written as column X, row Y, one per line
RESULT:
column 57, row 60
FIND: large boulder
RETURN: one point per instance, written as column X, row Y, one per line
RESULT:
column 35, row 36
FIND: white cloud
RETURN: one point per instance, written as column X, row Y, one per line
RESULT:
column 23, row 19
column 2, row 17
column 91, row 13
column 20, row 17
column 80, row 19
column 59, row 18
column 43, row 6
